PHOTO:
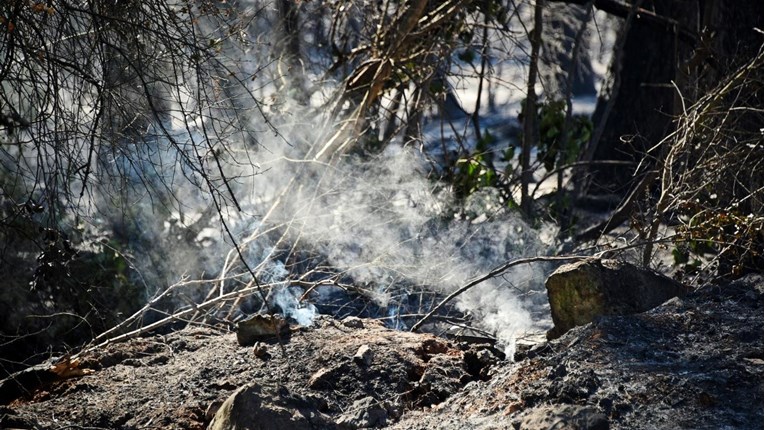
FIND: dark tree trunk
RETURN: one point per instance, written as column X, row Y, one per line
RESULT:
column 641, row 114
column 289, row 50
column 655, row 59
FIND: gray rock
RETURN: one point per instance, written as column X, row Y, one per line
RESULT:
column 563, row 417
column 364, row 413
column 364, row 355
column 267, row 408
column 353, row 322
column 581, row 291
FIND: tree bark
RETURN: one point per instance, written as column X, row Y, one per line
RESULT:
column 641, row 113
column 706, row 39
column 530, row 116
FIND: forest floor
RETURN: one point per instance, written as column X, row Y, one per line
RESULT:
column 693, row 362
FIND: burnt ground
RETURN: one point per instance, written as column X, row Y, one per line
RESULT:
column 691, row 363
column 695, row 362
column 173, row 381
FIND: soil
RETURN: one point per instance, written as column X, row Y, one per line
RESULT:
column 695, row 362
column 691, row 363
column 176, row 381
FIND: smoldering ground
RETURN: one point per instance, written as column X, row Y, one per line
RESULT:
column 225, row 193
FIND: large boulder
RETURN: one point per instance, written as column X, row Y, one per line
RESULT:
column 581, row 291
column 258, row 407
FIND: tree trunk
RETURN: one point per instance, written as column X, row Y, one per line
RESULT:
column 655, row 59
column 530, row 116
column 561, row 25
column 645, row 98
column 289, row 50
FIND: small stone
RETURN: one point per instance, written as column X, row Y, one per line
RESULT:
column 353, row 322
column 260, row 327
column 260, row 350
column 320, row 379
column 364, row 355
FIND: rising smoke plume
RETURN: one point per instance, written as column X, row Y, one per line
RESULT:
column 379, row 222
column 264, row 205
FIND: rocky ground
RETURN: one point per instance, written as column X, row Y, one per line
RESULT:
column 692, row 363
column 695, row 362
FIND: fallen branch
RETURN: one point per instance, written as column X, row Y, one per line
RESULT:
column 176, row 316
column 148, row 306
column 493, row 274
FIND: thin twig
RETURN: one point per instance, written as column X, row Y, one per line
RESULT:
column 180, row 315
column 492, row 274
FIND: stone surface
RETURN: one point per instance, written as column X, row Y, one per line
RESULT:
column 563, row 417
column 364, row 355
column 581, row 291
column 364, row 413
column 353, row 322
column 256, row 407
column 260, row 327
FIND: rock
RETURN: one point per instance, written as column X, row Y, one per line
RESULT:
column 364, row 355
column 321, row 379
column 260, row 327
column 563, row 417
column 353, row 322
column 581, row 291
column 260, row 350
column 364, row 413
column 266, row 408
column 213, row 409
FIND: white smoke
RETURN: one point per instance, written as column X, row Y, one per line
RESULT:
column 385, row 225
column 288, row 300
column 380, row 221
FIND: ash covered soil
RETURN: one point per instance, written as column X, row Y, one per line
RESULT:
column 695, row 362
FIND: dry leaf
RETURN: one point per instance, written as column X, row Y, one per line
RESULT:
column 67, row 368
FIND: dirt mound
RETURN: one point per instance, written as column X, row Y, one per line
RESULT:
column 692, row 363
column 179, row 380
column 695, row 362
